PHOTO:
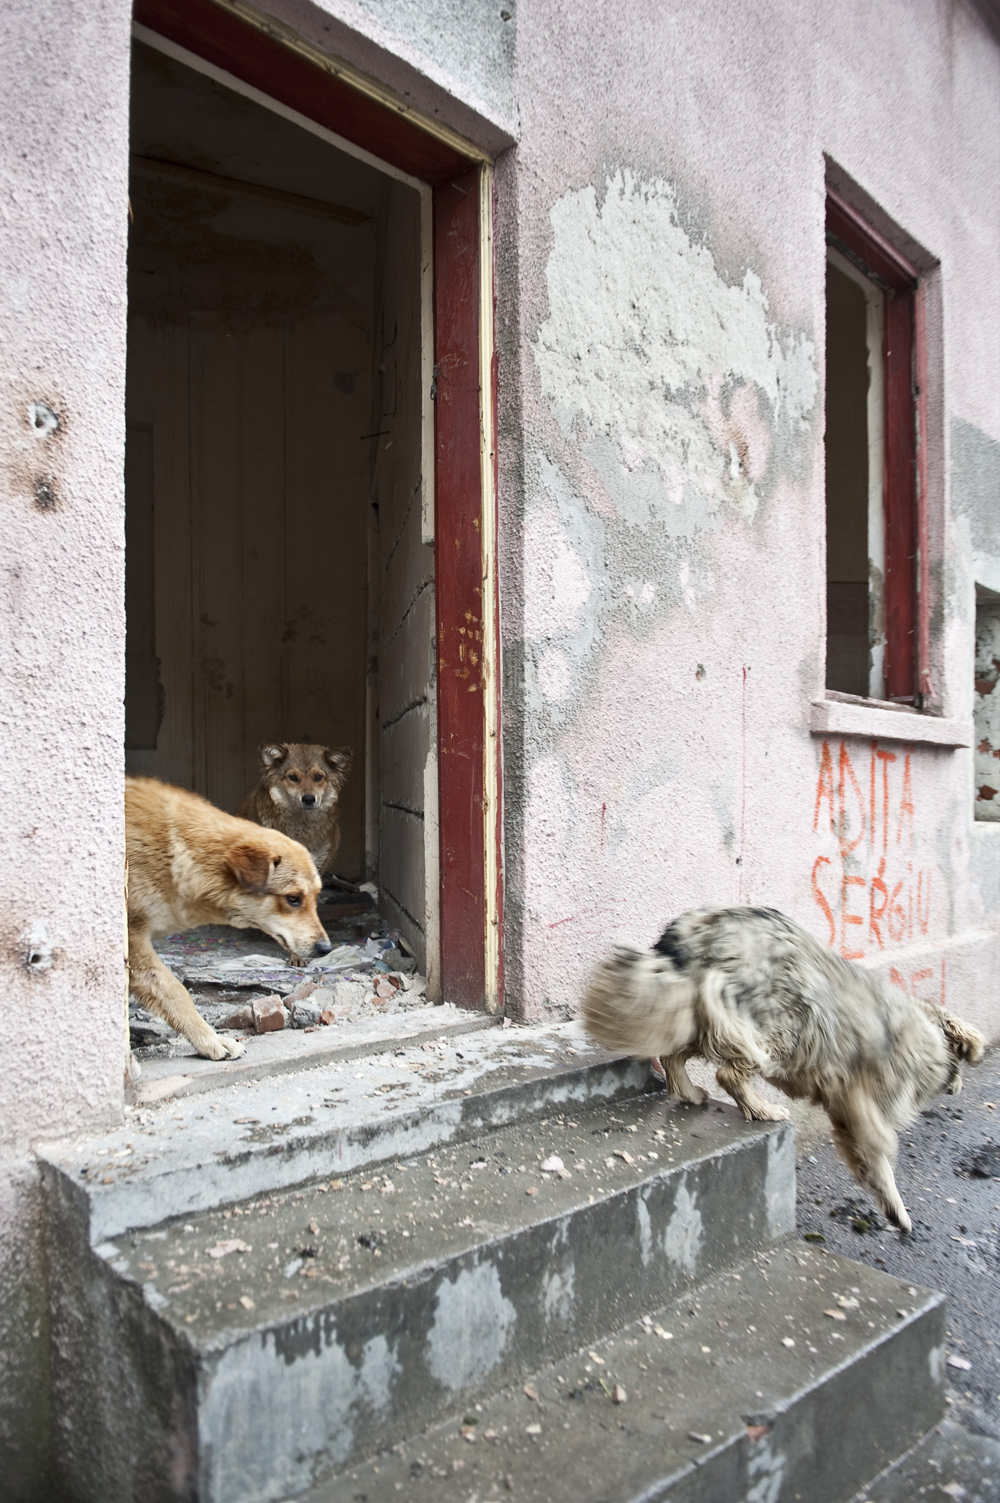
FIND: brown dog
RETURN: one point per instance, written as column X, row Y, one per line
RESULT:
column 299, row 793
column 190, row 864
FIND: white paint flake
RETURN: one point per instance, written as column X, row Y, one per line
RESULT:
column 556, row 585
column 685, row 1232
column 472, row 1325
column 672, row 380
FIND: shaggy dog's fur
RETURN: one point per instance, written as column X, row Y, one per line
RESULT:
column 190, row 864
column 754, row 993
column 299, row 793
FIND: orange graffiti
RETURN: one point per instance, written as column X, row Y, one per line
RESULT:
column 914, row 984
column 872, row 834
column 824, row 787
column 821, row 900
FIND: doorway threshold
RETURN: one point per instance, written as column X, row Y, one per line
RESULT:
column 288, row 1051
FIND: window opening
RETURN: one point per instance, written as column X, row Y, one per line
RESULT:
column 986, row 705
column 855, row 519
column 872, row 518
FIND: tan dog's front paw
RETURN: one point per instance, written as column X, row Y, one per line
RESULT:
column 212, row 1046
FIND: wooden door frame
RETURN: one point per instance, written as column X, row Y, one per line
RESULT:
column 258, row 51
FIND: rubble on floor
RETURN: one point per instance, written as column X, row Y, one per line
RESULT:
column 241, row 980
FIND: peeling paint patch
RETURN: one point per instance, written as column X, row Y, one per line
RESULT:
column 685, row 1233
column 766, row 1471
column 779, row 1187
column 557, row 586
column 555, row 675
column 645, row 1232
column 672, row 380
column 472, row 1325
column 558, row 1294
column 323, row 1391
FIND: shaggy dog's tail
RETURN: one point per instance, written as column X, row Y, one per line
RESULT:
column 638, row 1003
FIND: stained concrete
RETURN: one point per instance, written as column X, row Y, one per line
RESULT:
column 824, row 1408
column 353, row 1312
column 221, row 1147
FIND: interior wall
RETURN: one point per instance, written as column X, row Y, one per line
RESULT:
column 403, row 590
column 249, row 400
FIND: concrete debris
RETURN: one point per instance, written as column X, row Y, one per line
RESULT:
column 268, row 1014
column 304, row 1014
column 530, row 1391
column 618, row 1394
column 960, row 1363
column 231, row 1245
column 371, row 972
column 241, row 1019
column 553, row 1165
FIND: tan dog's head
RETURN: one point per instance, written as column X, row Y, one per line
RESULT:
column 301, row 777
column 275, row 890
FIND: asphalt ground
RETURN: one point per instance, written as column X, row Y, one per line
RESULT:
column 948, row 1174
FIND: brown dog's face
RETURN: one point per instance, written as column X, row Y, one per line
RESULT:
column 277, row 889
column 304, row 778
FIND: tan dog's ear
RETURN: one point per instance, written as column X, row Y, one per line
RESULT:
column 251, row 866
column 271, row 753
column 338, row 759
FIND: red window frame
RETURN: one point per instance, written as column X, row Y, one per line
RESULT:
column 471, row 970
column 904, row 356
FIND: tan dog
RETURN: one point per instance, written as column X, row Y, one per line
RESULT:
column 190, row 864
column 299, row 794
column 753, row 993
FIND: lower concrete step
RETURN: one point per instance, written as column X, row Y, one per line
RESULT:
column 746, row 1391
column 237, row 1354
column 948, row 1463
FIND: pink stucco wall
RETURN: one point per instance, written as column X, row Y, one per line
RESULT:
column 670, row 177
column 63, row 204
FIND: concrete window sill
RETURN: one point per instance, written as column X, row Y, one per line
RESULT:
column 842, row 717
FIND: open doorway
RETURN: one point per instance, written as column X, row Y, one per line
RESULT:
column 279, row 469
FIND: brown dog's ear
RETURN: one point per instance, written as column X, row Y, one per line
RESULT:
column 271, row 753
column 338, row 759
column 251, row 866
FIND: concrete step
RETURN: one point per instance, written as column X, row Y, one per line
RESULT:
column 246, row 1139
column 758, row 1397
column 948, row 1463
column 345, row 1315
column 290, row 1050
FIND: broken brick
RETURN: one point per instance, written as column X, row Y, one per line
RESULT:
column 268, row 1014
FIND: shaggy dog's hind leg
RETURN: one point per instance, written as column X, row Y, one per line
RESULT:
column 868, row 1146
column 736, row 1077
column 679, row 1082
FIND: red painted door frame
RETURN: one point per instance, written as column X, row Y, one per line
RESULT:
column 466, row 624
column 907, row 625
